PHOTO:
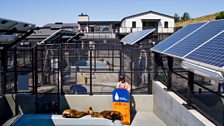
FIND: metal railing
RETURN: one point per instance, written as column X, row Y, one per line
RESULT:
column 55, row 68
column 99, row 35
column 158, row 29
column 197, row 91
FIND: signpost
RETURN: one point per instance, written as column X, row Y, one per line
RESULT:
column 121, row 103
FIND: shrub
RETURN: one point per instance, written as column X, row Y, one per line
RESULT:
column 220, row 16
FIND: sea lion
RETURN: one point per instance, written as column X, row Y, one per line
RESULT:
column 112, row 115
column 72, row 113
column 108, row 114
column 110, row 66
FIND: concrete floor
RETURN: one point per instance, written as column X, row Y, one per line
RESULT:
column 146, row 119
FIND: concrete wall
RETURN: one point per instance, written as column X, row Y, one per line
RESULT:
column 168, row 107
column 140, row 103
column 26, row 103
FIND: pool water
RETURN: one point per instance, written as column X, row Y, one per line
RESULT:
column 58, row 120
column 39, row 120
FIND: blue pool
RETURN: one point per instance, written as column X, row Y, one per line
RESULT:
column 57, row 120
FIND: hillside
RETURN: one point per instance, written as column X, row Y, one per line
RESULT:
column 209, row 17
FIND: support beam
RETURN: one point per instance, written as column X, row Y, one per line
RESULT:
column 170, row 70
column 4, row 62
column 190, row 88
column 156, row 59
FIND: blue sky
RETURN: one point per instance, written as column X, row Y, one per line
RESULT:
column 41, row 12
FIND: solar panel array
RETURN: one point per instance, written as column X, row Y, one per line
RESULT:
column 6, row 25
column 180, row 34
column 135, row 37
column 202, row 42
column 10, row 30
column 211, row 53
column 58, row 34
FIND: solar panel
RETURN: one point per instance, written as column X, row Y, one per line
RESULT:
column 211, row 53
column 58, row 34
column 180, row 34
column 194, row 40
column 6, row 25
column 11, row 32
column 135, row 37
column 7, row 38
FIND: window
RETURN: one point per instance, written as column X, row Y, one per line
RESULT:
column 133, row 24
column 102, row 28
column 166, row 24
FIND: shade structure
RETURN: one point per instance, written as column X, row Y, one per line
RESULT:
column 135, row 37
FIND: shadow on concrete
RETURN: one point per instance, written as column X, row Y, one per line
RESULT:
column 133, row 108
column 211, row 104
column 63, row 104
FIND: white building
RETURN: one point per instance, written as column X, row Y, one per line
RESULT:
column 150, row 19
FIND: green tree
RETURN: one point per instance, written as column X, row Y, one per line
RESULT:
column 220, row 16
column 186, row 16
column 176, row 17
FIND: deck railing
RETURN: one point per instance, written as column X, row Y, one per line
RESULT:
column 158, row 29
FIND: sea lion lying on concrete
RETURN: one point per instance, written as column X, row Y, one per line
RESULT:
column 72, row 113
column 108, row 114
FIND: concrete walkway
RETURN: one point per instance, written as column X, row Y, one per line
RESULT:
column 146, row 119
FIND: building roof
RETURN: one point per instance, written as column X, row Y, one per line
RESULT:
column 60, row 25
column 42, row 33
column 51, row 28
column 147, row 12
column 99, row 22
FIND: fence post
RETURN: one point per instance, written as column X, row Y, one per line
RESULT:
column 190, row 88
column 131, row 67
column 15, row 69
column 90, row 76
column 60, row 70
column 170, row 70
column 148, row 70
column 4, row 62
column 156, row 58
